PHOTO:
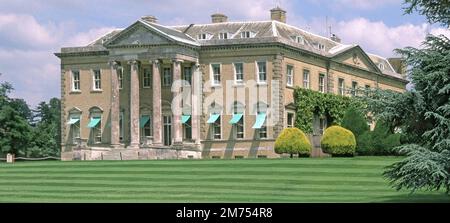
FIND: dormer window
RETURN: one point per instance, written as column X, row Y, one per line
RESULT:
column 320, row 46
column 246, row 34
column 223, row 35
column 381, row 66
column 202, row 36
column 299, row 39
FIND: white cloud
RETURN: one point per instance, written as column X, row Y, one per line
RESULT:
column 377, row 37
column 26, row 54
column 23, row 30
column 356, row 4
column 85, row 38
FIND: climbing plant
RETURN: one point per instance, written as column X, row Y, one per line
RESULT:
column 308, row 103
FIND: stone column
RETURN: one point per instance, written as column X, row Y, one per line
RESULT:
column 196, row 86
column 115, row 105
column 134, row 104
column 157, row 119
column 176, row 103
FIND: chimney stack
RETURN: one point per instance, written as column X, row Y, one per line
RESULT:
column 150, row 18
column 335, row 38
column 219, row 18
column 278, row 14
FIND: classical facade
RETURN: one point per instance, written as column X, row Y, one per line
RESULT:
column 218, row 90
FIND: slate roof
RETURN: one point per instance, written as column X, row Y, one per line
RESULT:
column 262, row 32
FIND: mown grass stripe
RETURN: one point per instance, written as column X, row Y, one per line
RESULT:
column 356, row 179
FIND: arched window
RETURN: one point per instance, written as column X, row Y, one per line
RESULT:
column 215, row 121
column 74, row 119
column 238, row 120
column 260, row 123
column 95, row 124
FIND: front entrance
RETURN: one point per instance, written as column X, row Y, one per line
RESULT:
column 167, row 130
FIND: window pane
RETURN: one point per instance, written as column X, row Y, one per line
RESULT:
column 262, row 71
column 306, row 79
column 187, row 74
column 290, row 75
column 167, row 81
column 147, row 78
column 216, row 73
column 120, row 78
column 322, row 83
column 239, row 70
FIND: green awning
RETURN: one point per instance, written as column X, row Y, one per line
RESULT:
column 236, row 118
column 94, row 122
column 73, row 120
column 213, row 118
column 185, row 118
column 260, row 119
column 144, row 119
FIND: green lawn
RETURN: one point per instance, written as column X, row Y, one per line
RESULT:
column 264, row 180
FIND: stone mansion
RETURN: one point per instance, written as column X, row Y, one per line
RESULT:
column 217, row 90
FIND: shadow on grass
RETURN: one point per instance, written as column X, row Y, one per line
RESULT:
column 416, row 198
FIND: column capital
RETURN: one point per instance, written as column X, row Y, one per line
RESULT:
column 196, row 65
column 155, row 62
column 114, row 64
column 134, row 64
column 177, row 61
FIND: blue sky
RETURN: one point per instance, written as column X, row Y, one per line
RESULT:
column 32, row 30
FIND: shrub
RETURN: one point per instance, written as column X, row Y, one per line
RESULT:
column 380, row 142
column 355, row 121
column 365, row 144
column 384, row 140
column 293, row 140
column 338, row 141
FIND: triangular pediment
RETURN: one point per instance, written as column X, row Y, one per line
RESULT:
column 138, row 34
column 356, row 57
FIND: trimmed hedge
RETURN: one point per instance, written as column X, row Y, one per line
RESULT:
column 338, row 141
column 293, row 141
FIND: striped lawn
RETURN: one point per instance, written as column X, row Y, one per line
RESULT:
column 281, row 180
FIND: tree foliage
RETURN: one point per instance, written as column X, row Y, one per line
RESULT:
column 355, row 121
column 423, row 115
column 436, row 11
column 15, row 132
column 25, row 132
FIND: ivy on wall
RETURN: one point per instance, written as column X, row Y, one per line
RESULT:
column 309, row 102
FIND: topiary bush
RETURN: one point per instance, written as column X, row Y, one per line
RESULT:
column 338, row 141
column 293, row 141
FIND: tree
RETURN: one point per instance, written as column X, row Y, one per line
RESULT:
column 14, row 128
column 46, row 133
column 436, row 11
column 22, row 108
column 355, row 121
column 383, row 139
column 426, row 107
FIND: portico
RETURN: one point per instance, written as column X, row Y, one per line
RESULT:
column 159, row 93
